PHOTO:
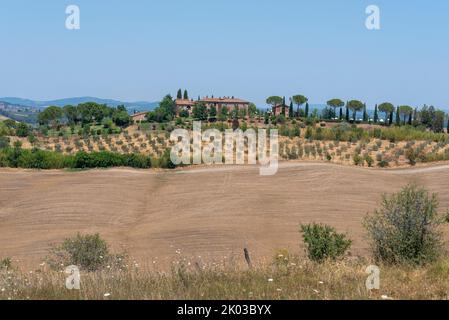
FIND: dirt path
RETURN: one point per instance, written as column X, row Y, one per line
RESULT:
column 205, row 212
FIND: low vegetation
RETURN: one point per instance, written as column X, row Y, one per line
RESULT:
column 323, row 242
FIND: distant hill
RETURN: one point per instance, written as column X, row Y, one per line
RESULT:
column 131, row 106
column 18, row 112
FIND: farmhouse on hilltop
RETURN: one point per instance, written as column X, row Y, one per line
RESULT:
column 230, row 103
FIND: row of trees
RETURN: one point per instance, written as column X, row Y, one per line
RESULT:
column 84, row 113
column 427, row 116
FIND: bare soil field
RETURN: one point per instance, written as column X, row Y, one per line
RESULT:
column 208, row 213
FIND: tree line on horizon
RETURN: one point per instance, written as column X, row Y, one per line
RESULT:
column 428, row 116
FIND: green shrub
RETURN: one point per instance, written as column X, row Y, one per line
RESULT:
column 5, row 263
column 4, row 142
column 406, row 228
column 87, row 252
column 323, row 242
column 358, row 160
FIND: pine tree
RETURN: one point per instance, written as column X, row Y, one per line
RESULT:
column 398, row 117
column 307, row 110
column 186, row 95
column 376, row 114
column 179, row 95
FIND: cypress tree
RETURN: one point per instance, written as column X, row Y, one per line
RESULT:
column 341, row 114
column 347, row 113
column 307, row 110
column 376, row 114
column 186, row 95
column 410, row 116
column 290, row 110
column 179, row 95
column 390, row 120
column 365, row 114
column 398, row 117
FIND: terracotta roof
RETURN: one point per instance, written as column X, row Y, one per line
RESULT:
column 139, row 114
column 184, row 102
column 223, row 100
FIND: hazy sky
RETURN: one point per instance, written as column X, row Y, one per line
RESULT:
column 141, row 50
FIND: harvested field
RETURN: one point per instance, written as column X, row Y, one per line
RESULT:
column 210, row 213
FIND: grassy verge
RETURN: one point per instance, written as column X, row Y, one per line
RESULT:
column 291, row 280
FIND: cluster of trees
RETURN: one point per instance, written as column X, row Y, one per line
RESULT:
column 385, row 113
column 166, row 111
column 17, row 157
column 10, row 127
column 84, row 113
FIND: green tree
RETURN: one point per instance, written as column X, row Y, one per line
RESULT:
column 199, row 111
column 290, row 110
column 71, row 113
column 22, row 130
column 365, row 113
column 186, row 95
column 299, row 100
column 386, row 108
column 335, row 103
column 405, row 112
column 179, row 94
column 274, row 101
column 355, row 106
column 213, row 112
column 224, row 114
column 376, row 114
column 50, row 116
column 306, row 111
column 121, row 118
column 398, row 116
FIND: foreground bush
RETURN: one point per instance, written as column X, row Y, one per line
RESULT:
column 87, row 252
column 323, row 242
column 406, row 228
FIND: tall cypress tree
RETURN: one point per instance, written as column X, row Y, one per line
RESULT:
column 307, row 110
column 376, row 114
column 398, row 117
column 365, row 114
column 186, row 95
column 290, row 110
column 341, row 114
column 390, row 119
column 179, row 95
column 347, row 112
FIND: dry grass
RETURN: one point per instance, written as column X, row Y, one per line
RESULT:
column 292, row 279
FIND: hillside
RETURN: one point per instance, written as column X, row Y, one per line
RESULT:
column 18, row 112
column 131, row 106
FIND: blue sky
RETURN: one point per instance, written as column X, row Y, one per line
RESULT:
column 141, row 50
